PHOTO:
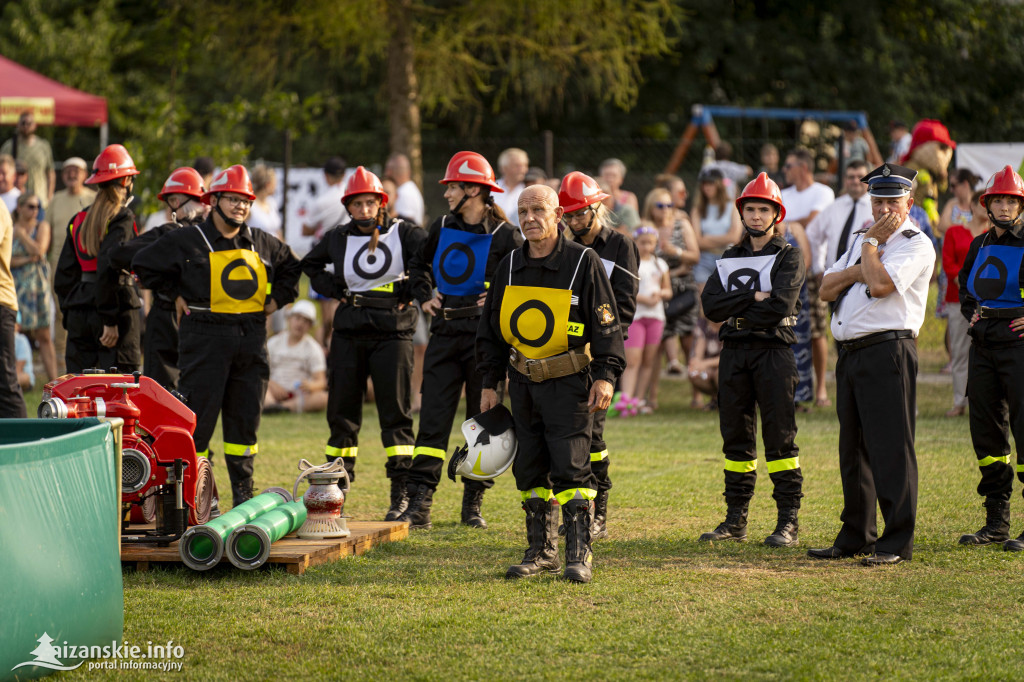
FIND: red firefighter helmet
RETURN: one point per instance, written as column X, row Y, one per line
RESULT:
column 470, row 167
column 1005, row 181
column 234, row 179
column 364, row 182
column 183, row 181
column 113, row 162
column 762, row 188
column 579, row 190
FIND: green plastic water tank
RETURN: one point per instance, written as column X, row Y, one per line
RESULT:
column 60, row 563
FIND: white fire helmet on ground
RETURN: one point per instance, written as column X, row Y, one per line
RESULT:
column 490, row 447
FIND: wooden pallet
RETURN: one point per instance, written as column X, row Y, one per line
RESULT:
column 294, row 553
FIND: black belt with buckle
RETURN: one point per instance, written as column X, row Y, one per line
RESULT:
column 872, row 339
column 461, row 313
column 741, row 323
column 1004, row 313
column 383, row 302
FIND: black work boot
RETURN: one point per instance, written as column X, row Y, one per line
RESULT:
column 599, row 529
column 733, row 528
column 471, row 501
column 240, row 473
column 786, row 529
column 576, row 517
column 417, row 514
column 1015, row 545
column 997, row 524
column 399, row 499
column 542, row 535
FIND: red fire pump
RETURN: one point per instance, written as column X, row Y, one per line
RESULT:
column 162, row 478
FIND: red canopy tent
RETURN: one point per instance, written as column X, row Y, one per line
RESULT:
column 22, row 89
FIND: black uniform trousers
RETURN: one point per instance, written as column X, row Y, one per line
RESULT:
column 12, row 401
column 388, row 361
column 84, row 350
column 224, row 370
column 599, row 450
column 751, row 375
column 449, row 363
column 553, row 429
column 160, row 346
column 876, row 397
column 995, row 393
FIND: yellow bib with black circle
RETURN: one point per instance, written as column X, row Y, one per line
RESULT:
column 535, row 320
column 238, row 282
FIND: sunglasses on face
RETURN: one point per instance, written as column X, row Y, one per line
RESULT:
column 659, row 204
column 34, row 207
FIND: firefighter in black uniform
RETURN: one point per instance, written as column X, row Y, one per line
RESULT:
column 225, row 278
column 588, row 221
column 755, row 292
column 182, row 191
column 879, row 287
column 373, row 327
column 100, row 301
column 550, row 324
column 459, row 256
column 991, row 282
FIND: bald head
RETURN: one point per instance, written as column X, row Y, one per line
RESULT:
column 539, row 214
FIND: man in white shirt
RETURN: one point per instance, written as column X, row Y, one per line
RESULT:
column 880, row 290
column 328, row 210
column 900, row 135
column 409, row 204
column 8, row 192
column 298, row 368
column 513, row 164
column 831, row 232
column 804, row 200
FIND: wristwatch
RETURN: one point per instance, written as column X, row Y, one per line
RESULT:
column 872, row 241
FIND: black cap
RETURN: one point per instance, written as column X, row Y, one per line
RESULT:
column 710, row 174
column 890, row 180
column 335, row 166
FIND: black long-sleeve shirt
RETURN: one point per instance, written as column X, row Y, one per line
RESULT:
column 763, row 317
column 113, row 291
column 612, row 246
column 989, row 330
column 178, row 264
column 595, row 309
column 364, row 321
column 505, row 239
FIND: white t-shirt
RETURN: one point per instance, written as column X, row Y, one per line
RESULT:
column 327, row 210
column 10, row 198
column 409, row 203
column 161, row 217
column 291, row 364
column 268, row 220
column 650, row 271
column 509, row 201
column 799, row 204
column 908, row 258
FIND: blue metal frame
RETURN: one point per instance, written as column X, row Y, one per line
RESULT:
column 703, row 114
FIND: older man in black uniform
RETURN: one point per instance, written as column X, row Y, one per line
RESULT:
column 588, row 220
column 992, row 298
column 550, row 323
column 224, row 278
column 755, row 291
column 880, row 291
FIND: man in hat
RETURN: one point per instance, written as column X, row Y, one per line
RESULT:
column 879, row 290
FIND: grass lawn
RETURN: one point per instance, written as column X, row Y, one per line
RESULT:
column 661, row 605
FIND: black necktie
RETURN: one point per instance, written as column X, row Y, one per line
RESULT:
column 845, row 236
column 834, row 306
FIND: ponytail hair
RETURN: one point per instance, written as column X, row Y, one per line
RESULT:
column 382, row 219
column 108, row 202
